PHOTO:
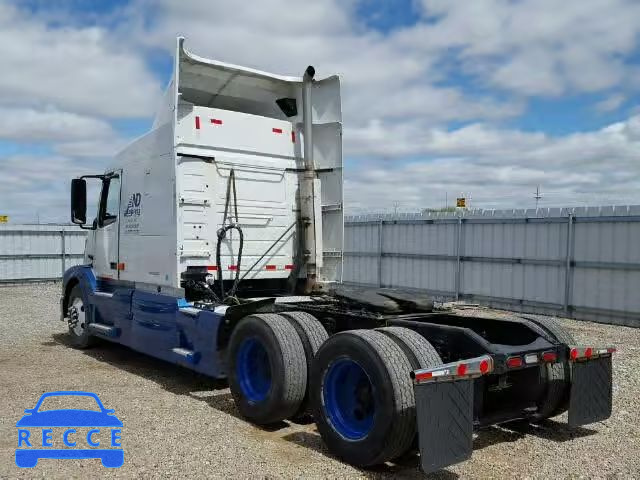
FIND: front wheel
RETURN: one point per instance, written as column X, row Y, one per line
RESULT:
column 78, row 319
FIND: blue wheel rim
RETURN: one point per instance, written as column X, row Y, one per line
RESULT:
column 349, row 401
column 253, row 370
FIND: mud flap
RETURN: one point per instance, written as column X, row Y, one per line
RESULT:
column 445, row 422
column 590, row 397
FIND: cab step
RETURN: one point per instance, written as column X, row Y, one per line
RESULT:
column 104, row 330
column 186, row 355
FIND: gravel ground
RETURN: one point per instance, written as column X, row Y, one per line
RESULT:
column 179, row 424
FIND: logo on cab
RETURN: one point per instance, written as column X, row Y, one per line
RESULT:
column 133, row 206
column 63, row 433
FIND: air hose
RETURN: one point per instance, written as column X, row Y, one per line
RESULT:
column 222, row 233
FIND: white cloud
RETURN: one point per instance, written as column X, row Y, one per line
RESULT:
column 75, row 69
column 30, row 125
column 33, row 186
column 99, row 148
column 534, row 47
column 498, row 167
column 611, row 103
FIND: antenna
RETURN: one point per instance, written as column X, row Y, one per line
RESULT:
column 537, row 195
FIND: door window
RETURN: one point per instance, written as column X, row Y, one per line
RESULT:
column 110, row 201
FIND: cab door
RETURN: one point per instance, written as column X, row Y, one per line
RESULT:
column 107, row 234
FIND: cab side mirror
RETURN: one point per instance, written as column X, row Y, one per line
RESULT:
column 79, row 201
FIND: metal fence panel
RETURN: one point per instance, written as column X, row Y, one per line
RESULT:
column 579, row 262
column 39, row 252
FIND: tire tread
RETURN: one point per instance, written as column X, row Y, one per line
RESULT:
column 557, row 374
column 398, row 367
column 418, row 349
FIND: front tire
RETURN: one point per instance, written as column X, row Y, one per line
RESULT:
column 267, row 368
column 78, row 320
column 362, row 397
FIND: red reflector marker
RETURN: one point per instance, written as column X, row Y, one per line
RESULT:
column 276, row 130
column 514, row 362
column 423, row 376
column 216, row 121
column 197, row 123
column 269, row 267
column 549, row 357
column 293, row 137
column 462, row 369
column 212, row 268
column 612, row 350
column 233, row 267
column 288, row 267
column 484, row 367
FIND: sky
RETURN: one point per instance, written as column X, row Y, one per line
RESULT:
column 488, row 99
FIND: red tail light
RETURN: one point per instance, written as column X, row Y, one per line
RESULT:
column 586, row 353
column 463, row 369
column 514, row 362
column 484, row 366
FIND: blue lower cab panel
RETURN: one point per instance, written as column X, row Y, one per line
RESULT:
column 199, row 333
column 111, row 458
column 152, row 323
column 113, row 309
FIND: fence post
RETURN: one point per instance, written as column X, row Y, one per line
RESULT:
column 568, row 276
column 64, row 252
column 380, row 253
column 458, row 263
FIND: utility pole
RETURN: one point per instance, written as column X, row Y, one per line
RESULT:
column 537, row 196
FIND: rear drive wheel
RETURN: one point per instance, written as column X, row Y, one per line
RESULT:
column 362, row 397
column 267, row 368
column 78, row 320
column 557, row 376
column 312, row 334
column 418, row 350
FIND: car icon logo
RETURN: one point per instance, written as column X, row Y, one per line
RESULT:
column 69, row 433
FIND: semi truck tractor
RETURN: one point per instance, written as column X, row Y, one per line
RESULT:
column 218, row 245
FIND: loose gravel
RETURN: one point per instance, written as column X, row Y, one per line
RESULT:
column 180, row 424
